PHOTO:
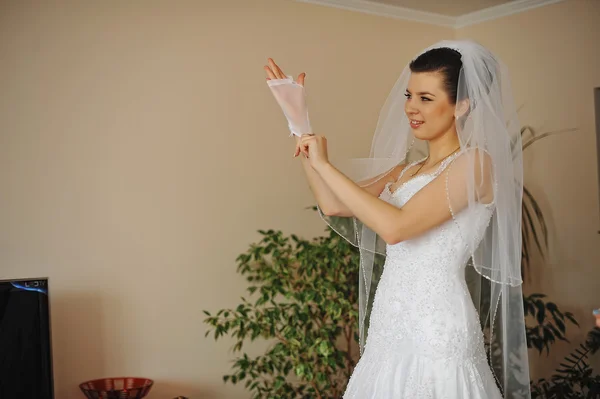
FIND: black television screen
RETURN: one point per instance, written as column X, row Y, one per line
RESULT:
column 25, row 346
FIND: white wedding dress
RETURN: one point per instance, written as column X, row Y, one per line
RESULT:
column 424, row 339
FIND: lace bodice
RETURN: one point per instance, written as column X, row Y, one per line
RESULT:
column 424, row 338
column 423, row 281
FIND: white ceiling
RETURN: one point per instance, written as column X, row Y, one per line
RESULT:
column 450, row 8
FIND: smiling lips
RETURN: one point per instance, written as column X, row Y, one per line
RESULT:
column 415, row 124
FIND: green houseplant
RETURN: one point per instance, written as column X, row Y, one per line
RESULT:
column 305, row 303
column 574, row 379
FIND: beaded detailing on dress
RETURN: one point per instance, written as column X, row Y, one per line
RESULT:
column 424, row 338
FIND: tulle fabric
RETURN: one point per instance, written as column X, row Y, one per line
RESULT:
column 291, row 97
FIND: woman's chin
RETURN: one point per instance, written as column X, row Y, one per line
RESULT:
column 420, row 134
column 426, row 135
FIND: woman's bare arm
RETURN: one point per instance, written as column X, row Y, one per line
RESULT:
column 427, row 209
column 329, row 203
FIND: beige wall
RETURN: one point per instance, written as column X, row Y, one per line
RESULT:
column 553, row 56
column 140, row 150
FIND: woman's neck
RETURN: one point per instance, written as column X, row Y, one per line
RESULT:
column 443, row 146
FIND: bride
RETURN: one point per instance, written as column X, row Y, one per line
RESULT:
column 453, row 213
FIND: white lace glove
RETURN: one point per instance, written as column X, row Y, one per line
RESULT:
column 291, row 98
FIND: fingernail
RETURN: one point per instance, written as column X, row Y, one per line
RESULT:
column 596, row 311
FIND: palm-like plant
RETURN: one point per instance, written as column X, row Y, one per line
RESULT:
column 574, row 379
column 533, row 225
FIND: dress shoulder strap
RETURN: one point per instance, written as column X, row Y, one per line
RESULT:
column 410, row 165
column 444, row 164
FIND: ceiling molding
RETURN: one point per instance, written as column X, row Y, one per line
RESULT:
column 385, row 10
column 502, row 10
column 389, row 11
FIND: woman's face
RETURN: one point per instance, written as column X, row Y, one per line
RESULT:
column 428, row 107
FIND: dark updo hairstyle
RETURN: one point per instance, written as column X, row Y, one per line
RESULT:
column 443, row 60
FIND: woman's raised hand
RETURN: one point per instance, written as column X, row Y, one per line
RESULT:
column 290, row 96
column 314, row 148
column 274, row 72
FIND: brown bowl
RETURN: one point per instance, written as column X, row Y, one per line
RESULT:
column 116, row 388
